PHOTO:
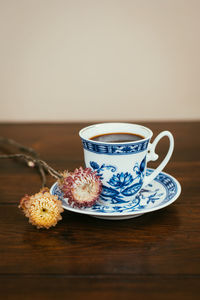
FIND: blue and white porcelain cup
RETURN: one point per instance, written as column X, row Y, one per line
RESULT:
column 122, row 165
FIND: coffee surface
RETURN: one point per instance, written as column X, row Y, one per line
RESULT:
column 117, row 137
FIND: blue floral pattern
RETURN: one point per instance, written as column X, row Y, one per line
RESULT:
column 100, row 169
column 120, row 180
column 120, row 186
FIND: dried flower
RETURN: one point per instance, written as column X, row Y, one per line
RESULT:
column 82, row 187
column 42, row 209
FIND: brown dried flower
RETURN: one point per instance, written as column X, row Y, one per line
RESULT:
column 82, row 187
column 42, row 209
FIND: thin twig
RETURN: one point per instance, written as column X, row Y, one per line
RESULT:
column 30, row 151
column 43, row 176
column 29, row 159
column 19, row 146
column 50, row 169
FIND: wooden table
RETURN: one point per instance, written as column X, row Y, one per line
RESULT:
column 155, row 256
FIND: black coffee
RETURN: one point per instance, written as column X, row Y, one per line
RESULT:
column 117, row 137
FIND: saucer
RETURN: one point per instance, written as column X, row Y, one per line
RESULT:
column 161, row 192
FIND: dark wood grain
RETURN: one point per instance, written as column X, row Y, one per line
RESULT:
column 155, row 256
column 100, row 287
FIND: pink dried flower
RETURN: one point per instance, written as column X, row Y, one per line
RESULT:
column 82, row 187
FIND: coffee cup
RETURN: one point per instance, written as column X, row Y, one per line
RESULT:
column 119, row 153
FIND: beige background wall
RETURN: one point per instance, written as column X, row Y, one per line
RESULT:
column 64, row 60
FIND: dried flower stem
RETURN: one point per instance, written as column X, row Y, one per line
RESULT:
column 32, row 160
column 19, row 146
column 43, row 176
column 30, row 151
column 29, row 159
column 43, row 209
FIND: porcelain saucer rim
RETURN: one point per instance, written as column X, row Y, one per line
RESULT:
column 123, row 214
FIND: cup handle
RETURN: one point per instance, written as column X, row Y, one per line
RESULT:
column 151, row 155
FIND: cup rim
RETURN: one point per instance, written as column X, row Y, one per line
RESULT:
column 83, row 130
